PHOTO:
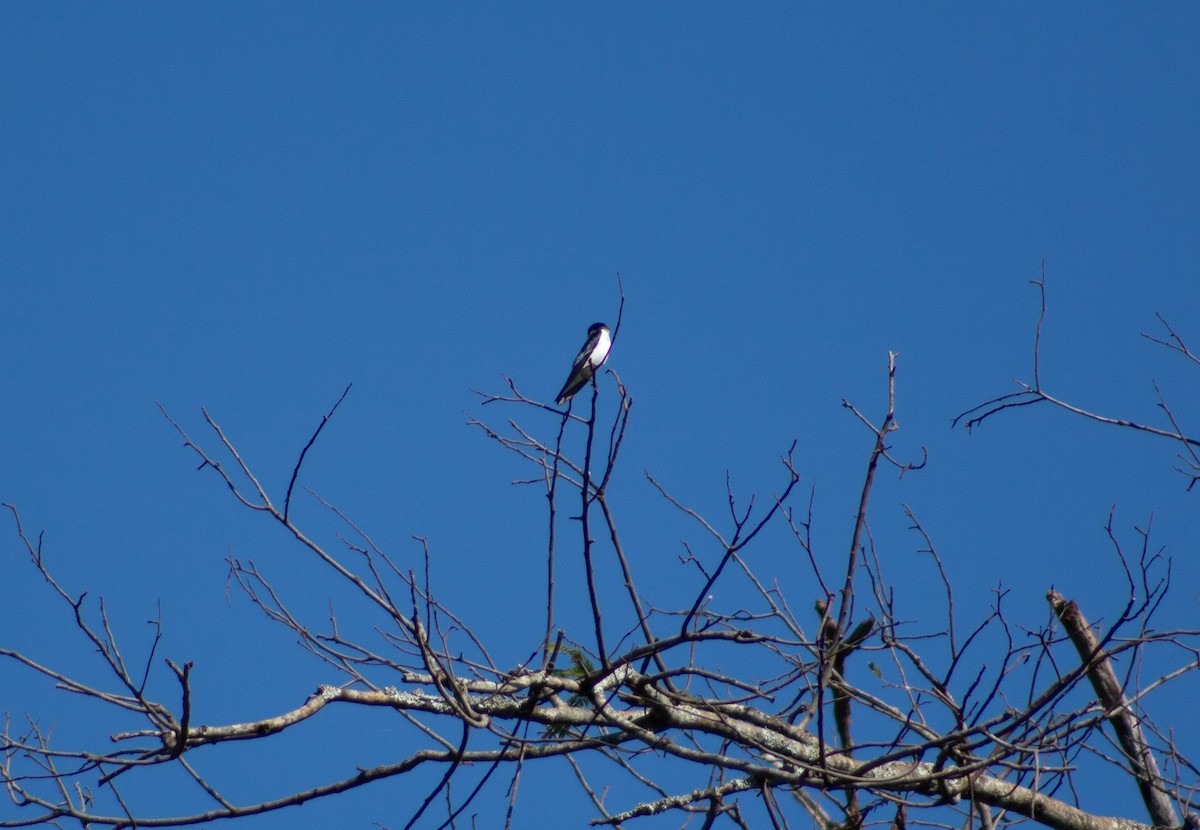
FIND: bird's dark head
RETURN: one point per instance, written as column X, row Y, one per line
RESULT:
column 595, row 327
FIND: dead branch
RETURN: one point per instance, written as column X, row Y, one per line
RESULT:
column 1121, row 716
column 1036, row 393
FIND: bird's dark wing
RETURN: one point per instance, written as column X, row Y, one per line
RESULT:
column 581, row 370
column 574, row 383
column 586, row 352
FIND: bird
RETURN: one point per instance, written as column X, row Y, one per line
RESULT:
column 590, row 358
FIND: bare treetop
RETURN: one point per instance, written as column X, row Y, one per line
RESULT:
column 783, row 700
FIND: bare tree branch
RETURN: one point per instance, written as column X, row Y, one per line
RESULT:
column 1120, row 715
column 738, row 716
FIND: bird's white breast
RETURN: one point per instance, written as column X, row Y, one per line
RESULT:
column 600, row 352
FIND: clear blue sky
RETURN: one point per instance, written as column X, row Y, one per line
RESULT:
column 248, row 206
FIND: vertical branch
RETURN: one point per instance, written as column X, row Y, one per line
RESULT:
column 836, row 645
column 585, row 490
column 617, row 436
column 860, row 521
column 550, row 490
column 1037, row 335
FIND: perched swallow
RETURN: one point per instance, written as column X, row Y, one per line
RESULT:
column 590, row 358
